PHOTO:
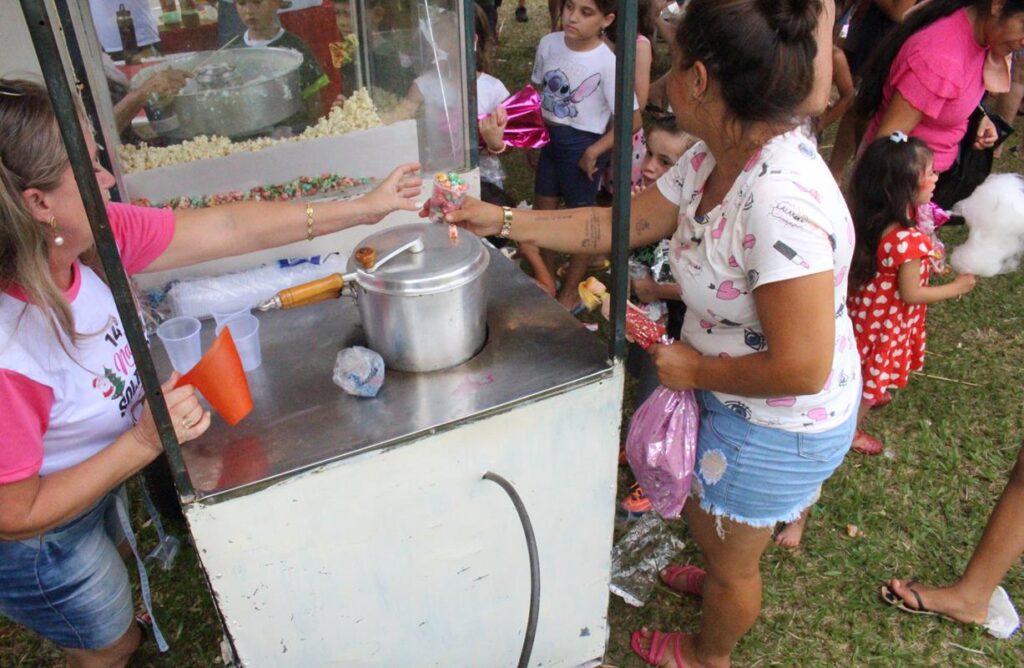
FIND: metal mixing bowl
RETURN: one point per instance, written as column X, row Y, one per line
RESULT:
column 234, row 92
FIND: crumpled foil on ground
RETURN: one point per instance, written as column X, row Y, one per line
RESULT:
column 639, row 556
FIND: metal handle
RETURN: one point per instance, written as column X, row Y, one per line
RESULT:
column 329, row 287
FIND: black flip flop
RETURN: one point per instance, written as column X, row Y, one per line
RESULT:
column 890, row 597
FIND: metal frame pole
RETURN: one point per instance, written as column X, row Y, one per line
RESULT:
column 625, row 66
column 76, row 59
column 44, row 38
column 469, row 32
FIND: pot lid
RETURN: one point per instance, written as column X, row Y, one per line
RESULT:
column 441, row 265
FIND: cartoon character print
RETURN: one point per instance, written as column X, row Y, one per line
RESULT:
column 110, row 385
column 739, row 408
column 754, row 340
column 557, row 97
column 105, row 387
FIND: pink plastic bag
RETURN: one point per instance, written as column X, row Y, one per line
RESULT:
column 662, row 447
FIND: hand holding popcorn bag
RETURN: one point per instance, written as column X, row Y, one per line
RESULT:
column 661, row 446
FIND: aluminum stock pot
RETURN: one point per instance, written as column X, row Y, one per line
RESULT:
column 420, row 295
column 423, row 310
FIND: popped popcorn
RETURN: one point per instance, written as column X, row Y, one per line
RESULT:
column 358, row 113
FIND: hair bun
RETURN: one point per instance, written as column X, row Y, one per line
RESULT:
column 793, row 20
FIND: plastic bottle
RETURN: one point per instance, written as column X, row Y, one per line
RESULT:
column 126, row 28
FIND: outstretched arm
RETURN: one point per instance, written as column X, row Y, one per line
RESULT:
column 588, row 230
column 234, row 229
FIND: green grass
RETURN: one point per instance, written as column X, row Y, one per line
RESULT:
column 921, row 511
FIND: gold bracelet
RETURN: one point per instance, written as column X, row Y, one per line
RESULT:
column 506, row 225
column 309, row 222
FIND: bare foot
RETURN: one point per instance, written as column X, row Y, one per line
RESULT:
column 962, row 606
column 792, row 533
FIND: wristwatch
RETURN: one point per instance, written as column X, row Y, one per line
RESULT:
column 506, row 222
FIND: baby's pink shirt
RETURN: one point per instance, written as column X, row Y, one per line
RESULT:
column 939, row 71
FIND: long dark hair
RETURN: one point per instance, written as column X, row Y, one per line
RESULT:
column 876, row 69
column 883, row 188
column 760, row 52
column 644, row 22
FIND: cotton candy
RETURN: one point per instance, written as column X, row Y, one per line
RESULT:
column 995, row 216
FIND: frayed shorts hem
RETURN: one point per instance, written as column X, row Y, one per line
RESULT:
column 759, row 522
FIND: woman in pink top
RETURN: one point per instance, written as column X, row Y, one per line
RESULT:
column 929, row 75
column 75, row 426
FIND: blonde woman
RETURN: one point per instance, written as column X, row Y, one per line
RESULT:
column 75, row 425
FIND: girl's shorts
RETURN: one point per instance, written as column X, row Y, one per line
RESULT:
column 558, row 171
column 70, row 585
column 757, row 475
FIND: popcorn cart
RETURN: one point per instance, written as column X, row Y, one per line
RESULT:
column 385, row 531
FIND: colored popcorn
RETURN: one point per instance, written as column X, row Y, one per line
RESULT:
column 304, row 186
column 449, row 194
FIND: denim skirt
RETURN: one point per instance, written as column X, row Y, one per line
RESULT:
column 758, row 475
column 69, row 584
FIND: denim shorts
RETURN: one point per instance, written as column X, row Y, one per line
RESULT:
column 757, row 475
column 558, row 171
column 70, row 585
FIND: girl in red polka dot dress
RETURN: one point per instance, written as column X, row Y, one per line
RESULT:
column 889, row 291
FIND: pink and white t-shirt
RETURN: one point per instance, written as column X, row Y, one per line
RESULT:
column 783, row 218
column 59, row 410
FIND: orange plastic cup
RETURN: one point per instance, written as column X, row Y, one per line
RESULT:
column 221, row 379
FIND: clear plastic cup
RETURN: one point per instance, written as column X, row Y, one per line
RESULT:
column 181, row 339
column 245, row 330
column 230, row 311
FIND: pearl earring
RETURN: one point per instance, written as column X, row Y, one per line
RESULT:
column 58, row 240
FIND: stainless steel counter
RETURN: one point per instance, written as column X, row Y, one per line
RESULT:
column 301, row 420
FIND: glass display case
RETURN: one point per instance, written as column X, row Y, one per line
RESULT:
column 251, row 99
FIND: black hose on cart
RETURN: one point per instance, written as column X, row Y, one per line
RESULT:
column 531, row 547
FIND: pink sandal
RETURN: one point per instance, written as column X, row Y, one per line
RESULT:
column 866, row 444
column 693, row 582
column 660, row 643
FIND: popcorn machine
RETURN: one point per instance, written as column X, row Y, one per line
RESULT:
column 335, row 530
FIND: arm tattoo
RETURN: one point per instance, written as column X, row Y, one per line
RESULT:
column 593, row 230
